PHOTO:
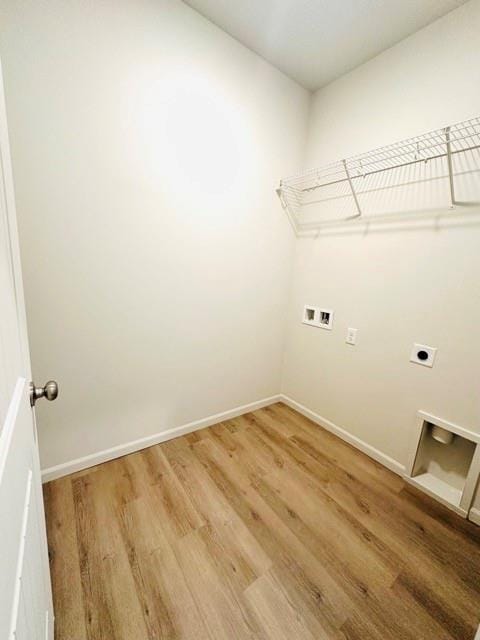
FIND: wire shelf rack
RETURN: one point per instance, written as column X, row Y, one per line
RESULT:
column 431, row 171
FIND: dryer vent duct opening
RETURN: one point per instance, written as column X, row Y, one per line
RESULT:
column 441, row 435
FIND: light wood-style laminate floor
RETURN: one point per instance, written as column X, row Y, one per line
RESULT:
column 262, row 527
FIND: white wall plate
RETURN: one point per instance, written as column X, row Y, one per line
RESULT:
column 351, row 336
column 316, row 317
column 423, row 354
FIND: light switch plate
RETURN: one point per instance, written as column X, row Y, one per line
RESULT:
column 351, row 336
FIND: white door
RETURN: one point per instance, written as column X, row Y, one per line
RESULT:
column 26, row 611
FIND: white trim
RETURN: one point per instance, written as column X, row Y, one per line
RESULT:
column 64, row 469
column 6, row 175
column 471, row 481
column 450, row 426
column 436, row 496
column 415, row 437
column 6, row 434
column 474, row 516
column 370, row 451
column 21, row 555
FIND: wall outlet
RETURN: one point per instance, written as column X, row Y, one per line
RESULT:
column 423, row 354
column 351, row 336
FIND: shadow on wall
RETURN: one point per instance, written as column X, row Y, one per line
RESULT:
column 464, row 215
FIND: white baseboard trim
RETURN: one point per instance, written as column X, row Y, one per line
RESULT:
column 377, row 455
column 52, row 473
column 474, row 516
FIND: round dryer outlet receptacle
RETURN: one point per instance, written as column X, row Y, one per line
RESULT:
column 423, row 354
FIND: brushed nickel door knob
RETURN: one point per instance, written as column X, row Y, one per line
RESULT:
column 49, row 391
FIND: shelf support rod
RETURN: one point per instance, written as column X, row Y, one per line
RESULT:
column 450, row 167
column 286, row 208
column 357, row 204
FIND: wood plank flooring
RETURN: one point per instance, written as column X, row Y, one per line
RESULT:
column 263, row 527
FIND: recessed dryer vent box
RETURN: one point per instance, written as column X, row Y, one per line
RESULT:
column 444, row 462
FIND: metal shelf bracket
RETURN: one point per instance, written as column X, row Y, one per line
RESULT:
column 450, row 167
column 355, row 198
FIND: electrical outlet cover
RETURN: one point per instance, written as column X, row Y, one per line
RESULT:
column 423, row 354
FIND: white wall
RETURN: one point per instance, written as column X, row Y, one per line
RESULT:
column 396, row 283
column 146, row 146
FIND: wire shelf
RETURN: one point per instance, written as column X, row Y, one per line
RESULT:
column 429, row 171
